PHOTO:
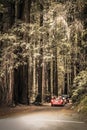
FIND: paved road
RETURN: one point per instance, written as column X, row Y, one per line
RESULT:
column 46, row 118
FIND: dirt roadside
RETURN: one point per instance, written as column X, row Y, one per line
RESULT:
column 17, row 110
column 22, row 109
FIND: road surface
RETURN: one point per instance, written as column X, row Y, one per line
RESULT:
column 46, row 118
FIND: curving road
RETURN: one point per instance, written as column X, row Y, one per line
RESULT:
column 46, row 118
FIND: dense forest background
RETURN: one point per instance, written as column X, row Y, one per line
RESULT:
column 43, row 50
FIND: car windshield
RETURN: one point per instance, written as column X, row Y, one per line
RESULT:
column 59, row 97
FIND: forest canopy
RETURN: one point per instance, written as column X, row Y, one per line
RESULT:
column 43, row 50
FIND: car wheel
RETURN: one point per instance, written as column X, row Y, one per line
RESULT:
column 63, row 104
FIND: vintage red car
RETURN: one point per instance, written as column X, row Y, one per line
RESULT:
column 57, row 101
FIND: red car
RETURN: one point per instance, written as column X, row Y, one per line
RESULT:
column 57, row 101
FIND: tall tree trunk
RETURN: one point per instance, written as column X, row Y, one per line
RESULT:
column 41, row 64
column 55, row 74
column 16, row 10
column 30, row 78
column 27, row 9
column 11, row 87
column 51, row 67
column 34, row 74
column 43, row 82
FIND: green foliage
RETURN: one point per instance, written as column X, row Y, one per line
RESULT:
column 82, row 106
column 1, row 8
column 84, row 101
column 75, row 10
column 79, row 86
